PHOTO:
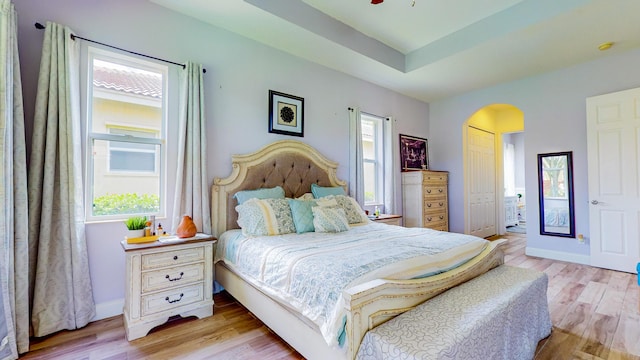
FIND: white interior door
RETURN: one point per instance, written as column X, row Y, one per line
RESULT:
column 481, row 170
column 613, row 139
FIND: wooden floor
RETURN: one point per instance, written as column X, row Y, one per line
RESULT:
column 594, row 312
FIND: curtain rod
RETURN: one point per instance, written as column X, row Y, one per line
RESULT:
column 39, row 26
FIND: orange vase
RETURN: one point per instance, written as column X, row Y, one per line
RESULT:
column 187, row 228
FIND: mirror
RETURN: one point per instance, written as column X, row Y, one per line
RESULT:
column 555, row 189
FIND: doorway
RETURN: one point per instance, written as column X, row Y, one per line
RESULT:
column 614, row 200
column 515, row 199
column 484, row 210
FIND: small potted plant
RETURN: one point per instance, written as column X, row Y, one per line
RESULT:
column 136, row 225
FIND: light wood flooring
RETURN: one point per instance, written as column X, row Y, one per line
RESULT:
column 594, row 313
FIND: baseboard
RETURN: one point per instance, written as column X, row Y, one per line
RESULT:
column 558, row 255
column 108, row 309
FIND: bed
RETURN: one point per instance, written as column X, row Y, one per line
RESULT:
column 363, row 305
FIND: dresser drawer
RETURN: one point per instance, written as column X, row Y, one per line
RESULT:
column 172, row 277
column 169, row 299
column 172, row 258
column 435, row 191
column 439, row 226
column 431, row 204
column 435, row 178
column 434, row 219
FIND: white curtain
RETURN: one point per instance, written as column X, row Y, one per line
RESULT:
column 59, row 266
column 14, row 260
column 192, row 190
column 356, row 167
column 390, row 163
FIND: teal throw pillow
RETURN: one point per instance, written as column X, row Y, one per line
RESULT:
column 265, row 193
column 302, row 215
column 322, row 191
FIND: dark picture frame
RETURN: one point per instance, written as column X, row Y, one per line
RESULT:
column 414, row 153
column 286, row 114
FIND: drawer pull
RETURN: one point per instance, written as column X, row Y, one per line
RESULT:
column 173, row 301
column 441, row 217
column 428, row 191
column 441, row 204
column 428, row 204
column 174, row 279
column 429, row 219
column 175, row 257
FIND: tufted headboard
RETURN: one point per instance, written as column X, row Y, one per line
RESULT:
column 291, row 164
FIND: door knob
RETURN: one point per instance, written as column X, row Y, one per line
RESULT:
column 594, row 202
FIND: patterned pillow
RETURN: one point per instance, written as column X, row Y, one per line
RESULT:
column 302, row 215
column 329, row 219
column 258, row 217
column 351, row 208
column 265, row 193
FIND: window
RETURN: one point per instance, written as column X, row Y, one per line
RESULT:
column 125, row 136
column 372, row 159
column 131, row 156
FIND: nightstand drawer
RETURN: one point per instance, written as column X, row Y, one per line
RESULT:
column 389, row 219
column 170, row 299
column 172, row 277
column 172, row 258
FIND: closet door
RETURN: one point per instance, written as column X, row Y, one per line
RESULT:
column 481, row 177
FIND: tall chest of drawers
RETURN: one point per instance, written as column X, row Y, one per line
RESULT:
column 425, row 199
column 167, row 279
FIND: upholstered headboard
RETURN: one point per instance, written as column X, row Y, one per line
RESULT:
column 291, row 164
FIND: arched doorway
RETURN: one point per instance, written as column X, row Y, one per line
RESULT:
column 484, row 167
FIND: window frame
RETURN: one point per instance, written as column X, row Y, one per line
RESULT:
column 133, row 139
column 378, row 161
column 161, row 141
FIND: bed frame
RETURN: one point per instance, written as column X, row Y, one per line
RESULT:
column 295, row 166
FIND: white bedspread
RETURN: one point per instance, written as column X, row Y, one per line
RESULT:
column 309, row 271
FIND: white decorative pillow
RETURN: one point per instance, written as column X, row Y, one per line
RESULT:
column 351, row 208
column 326, row 202
column 258, row 217
column 306, row 196
column 329, row 219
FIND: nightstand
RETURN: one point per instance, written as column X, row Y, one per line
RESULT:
column 166, row 279
column 389, row 219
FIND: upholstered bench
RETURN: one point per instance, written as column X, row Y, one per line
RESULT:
column 502, row 314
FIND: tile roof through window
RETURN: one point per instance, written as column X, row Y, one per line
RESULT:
column 131, row 82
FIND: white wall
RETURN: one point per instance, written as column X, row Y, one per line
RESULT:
column 239, row 74
column 554, row 119
column 518, row 142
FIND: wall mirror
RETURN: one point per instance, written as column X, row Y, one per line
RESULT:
column 555, row 188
